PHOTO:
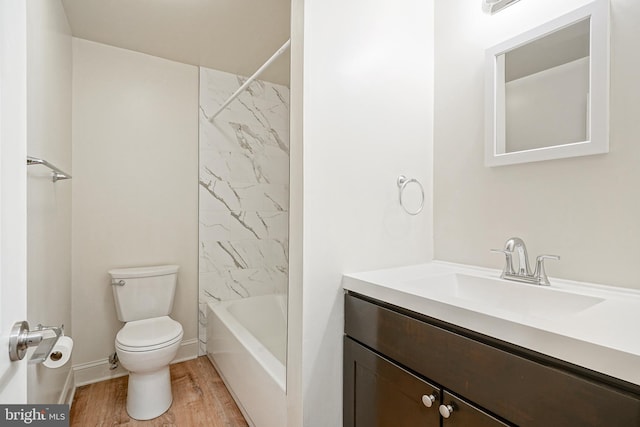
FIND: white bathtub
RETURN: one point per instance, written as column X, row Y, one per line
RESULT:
column 246, row 341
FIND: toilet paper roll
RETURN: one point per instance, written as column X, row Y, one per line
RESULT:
column 60, row 354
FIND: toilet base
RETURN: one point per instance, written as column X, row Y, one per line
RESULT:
column 149, row 394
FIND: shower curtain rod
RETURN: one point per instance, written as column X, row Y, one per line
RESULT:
column 250, row 80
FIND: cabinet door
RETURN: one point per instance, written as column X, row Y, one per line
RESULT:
column 378, row 393
column 458, row 413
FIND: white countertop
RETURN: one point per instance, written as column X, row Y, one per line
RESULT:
column 604, row 337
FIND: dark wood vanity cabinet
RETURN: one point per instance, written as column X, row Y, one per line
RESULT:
column 394, row 360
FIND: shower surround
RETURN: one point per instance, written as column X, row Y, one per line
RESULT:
column 244, row 191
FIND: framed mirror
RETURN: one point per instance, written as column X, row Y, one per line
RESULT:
column 547, row 90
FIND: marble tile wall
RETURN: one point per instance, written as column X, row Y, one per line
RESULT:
column 244, row 191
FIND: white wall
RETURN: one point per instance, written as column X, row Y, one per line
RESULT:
column 48, row 204
column 585, row 209
column 367, row 118
column 296, row 214
column 135, row 192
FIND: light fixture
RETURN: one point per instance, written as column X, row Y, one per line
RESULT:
column 493, row 6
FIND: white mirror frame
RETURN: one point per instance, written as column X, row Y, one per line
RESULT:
column 598, row 110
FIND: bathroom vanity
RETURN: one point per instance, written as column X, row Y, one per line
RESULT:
column 415, row 354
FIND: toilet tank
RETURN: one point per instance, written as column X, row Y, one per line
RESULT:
column 144, row 292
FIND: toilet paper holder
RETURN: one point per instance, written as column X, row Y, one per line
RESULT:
column 44, row 337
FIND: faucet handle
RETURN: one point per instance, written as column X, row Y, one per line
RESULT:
column 501, row 251
column 540, row 274
column 508, row 263
column 553, row 257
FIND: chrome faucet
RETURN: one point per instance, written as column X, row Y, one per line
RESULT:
column 523, row 273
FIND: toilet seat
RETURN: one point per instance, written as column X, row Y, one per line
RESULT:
column 149, row 334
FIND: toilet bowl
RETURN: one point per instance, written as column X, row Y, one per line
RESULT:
column 145, row 348
column 150, row 339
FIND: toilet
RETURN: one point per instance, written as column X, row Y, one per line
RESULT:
column 150, row 339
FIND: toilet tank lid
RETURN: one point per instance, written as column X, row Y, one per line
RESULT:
column 156, row 270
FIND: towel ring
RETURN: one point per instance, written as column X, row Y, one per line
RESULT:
column 402, row 182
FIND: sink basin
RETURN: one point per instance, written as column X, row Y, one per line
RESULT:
column 483, row 293
column 585, row 324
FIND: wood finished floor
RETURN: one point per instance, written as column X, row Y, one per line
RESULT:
column 200, row 398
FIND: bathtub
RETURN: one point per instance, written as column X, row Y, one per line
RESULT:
column 246, row 341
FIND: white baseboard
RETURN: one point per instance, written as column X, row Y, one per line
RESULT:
column 69, row 389
column 188, row 350
column 98, row 370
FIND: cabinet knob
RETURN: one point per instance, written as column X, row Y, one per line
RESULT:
column 428, row 400
column 446, row 410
